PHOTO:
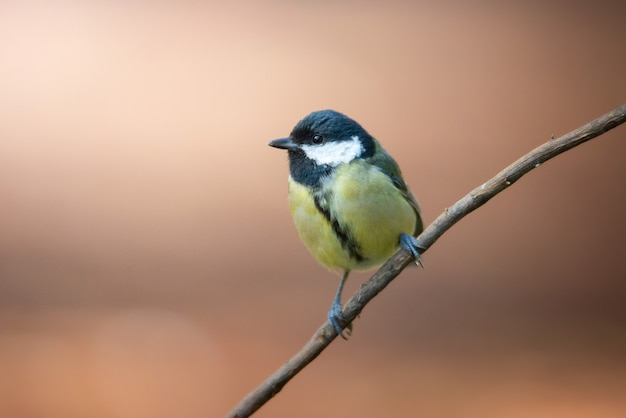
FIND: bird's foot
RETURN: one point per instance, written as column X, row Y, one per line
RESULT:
column 410, row 244
column 337, row 320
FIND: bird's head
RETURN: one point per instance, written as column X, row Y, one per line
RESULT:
column 322, row 141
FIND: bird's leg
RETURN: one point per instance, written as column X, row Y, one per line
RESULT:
column 335, row 317
column 410, row 244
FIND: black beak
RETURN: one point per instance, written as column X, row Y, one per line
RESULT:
column 283, row 143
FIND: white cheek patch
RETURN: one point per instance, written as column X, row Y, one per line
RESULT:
column 334, row 153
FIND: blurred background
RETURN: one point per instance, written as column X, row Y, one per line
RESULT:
column 148, row 263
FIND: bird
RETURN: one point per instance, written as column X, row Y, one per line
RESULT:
column 350, row 205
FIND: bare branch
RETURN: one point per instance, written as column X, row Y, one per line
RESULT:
column 473, row 200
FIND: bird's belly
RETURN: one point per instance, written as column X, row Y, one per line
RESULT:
column 376, row 212
column 316, row 231
column 362, row 226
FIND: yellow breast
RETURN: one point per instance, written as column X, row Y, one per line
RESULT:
column 357, row 219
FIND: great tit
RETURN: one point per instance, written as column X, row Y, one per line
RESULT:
column 350, row 205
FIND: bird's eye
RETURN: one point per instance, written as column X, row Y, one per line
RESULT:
column 317, row 139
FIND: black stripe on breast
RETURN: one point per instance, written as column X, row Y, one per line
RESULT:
column 347, row 242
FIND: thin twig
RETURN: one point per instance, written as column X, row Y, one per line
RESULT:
column 473, row 200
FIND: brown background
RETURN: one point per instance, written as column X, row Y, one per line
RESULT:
column 148, row 264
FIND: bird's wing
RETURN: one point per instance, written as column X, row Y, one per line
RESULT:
column 388, row 165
